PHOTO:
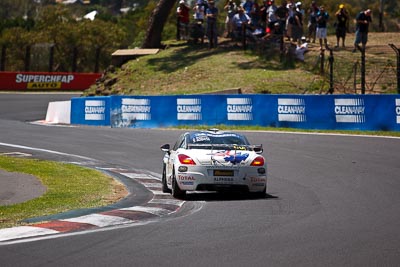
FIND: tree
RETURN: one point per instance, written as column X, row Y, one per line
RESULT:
column 156, row 24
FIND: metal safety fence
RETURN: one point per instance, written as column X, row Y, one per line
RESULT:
column 375, row 70
column 50, row 58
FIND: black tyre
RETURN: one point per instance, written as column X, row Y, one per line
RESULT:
column 165, row 188
column 176, row 191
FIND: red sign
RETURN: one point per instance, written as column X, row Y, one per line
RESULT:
column 39, row 81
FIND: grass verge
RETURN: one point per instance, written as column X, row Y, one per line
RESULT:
column 68, row 187
column 184, row 68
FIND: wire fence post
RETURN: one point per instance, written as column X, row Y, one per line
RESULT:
column 362, row 50
column 363, row 72
column 397, row 50
column 322, row 62
column 355, row 77
column 330, row 59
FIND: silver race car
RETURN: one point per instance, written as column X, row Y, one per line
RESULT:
column 213, row 160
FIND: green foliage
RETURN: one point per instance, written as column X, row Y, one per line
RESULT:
column 59, row 25
column 68, row 187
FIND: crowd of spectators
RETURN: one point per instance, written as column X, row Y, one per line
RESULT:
column 267, row 21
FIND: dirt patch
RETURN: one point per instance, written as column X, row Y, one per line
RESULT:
column 19, row 187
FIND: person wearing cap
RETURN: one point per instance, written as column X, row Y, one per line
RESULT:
column 363, row 19
column 212, row 33
column 321, row 32
column 183, row 21
column 297, row 25
column 282, row 13
column 342, row 18
column 230, row 9
column 271, row 14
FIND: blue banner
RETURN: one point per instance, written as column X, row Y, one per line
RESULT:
column 90, row 111
column 336, row 112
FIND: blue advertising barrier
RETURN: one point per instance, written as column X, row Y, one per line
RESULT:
column 341, row 112
column 90, row 111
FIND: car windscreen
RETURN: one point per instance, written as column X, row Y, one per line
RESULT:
column 201, row 138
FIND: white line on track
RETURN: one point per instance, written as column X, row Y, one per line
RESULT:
column 45, row 150
column 24, row 232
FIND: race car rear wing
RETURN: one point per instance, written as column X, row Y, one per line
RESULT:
column 256, row 148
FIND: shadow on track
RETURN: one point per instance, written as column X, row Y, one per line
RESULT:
column 225, row 196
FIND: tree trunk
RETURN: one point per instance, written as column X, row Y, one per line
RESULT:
column 157, row 21
column 381, row 6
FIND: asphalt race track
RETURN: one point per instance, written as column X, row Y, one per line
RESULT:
column 333, row 201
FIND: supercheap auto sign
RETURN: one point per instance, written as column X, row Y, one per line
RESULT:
column 46, row 80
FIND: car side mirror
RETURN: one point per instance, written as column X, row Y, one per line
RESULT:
column 165, row 148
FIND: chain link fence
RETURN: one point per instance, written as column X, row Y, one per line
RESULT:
column 49, row 58
column 374, row 71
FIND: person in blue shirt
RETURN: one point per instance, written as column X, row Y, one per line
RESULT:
column 321, row 31
column 212, row 33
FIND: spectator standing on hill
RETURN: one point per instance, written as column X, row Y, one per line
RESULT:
column 263, row 13
column 230, row 9
column 297, row 25
column 248, row 7
column 255, row 14
column 321, row 32
column 183, row 21
column 312, row 21
column 242, row 23
column 342, row 18
column 212, row 33
column 240, row 20
column 282, row 14
column 199, row 12
column 290, row 19
column 363, row 20
column 271, row 15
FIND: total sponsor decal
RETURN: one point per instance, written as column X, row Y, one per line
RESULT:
column 136, row 109
column 350, row 110
column 43, row 81
column 186, row 180
column 258, row 181
column 188, row 109
column 291, row 109
column 239, row 109
column 398, row 110
column 95, row 110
